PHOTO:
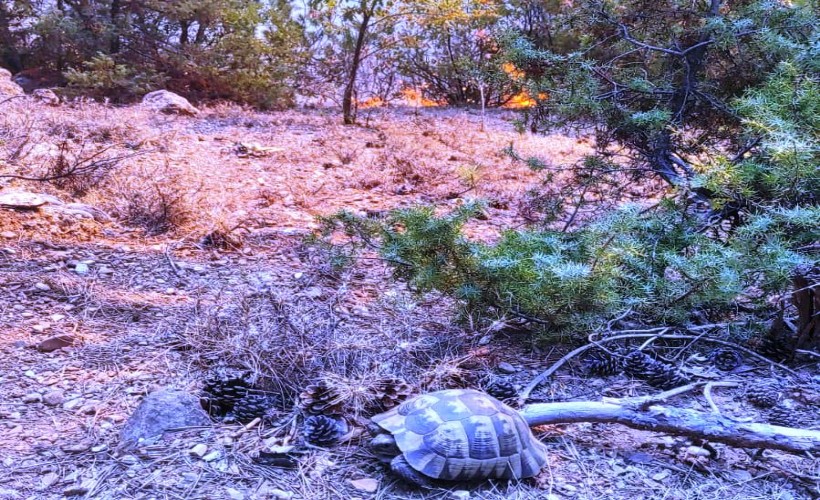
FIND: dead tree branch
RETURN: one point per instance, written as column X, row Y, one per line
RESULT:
column 694, row 424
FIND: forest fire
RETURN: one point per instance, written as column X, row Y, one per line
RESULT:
column 414, row 97
column 521, row 100
column 512, row 71
column 371, row 102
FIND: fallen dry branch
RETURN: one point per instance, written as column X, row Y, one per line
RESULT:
column 684, row 422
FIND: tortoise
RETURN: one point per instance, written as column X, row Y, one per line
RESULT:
column 456, row 435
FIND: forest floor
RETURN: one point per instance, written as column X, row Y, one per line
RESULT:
column 138, row 308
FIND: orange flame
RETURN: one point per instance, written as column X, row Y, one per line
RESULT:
column 523, row 100
column 371, row 102
column 512, row 71
column 416, row 98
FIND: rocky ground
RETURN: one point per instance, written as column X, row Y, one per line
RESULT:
column 100, row 309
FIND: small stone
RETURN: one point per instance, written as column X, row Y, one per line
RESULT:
column 210, row 457
column 313, row 292
column 81, row 268
column 57, row 317
column 48, row 480
column 40, row 327
column 8, row 234
column 506, row 368
column 30, row 374
column 640, row 458
column 660, row 476
column 73, row 403
column 99, row 448
column 280, row 494
column 459, row 495
column 366, row 484
column 54, row 398
column 199, row 450
column 56, row 342
column 33, row 398
column 76, row 448
column 42, row 287
column 697, row 451
column 76, row 490
column 234, row 494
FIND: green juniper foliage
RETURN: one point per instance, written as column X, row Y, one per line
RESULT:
column 651, row 262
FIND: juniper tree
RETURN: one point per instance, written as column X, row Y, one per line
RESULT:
column 718, row 100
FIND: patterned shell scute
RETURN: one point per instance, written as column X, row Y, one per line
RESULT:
column 462, row 434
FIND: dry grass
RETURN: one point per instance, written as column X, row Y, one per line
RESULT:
column 206, row 269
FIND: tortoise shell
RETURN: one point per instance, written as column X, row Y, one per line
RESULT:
column 464, row 435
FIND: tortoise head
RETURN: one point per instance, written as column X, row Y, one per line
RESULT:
column 384, row 447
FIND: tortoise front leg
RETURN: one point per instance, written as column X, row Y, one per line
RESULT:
column 401, row 468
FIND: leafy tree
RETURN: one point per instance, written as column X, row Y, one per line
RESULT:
column 350, row 33
column 12, row 36
column 247, row 51
column 454, row 50
column 657, row 77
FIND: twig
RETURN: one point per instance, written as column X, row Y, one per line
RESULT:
column 11, row 98
column 245, row 428
column 174, row 265
column 644, row 402
column 618, row 318
column 651, row 340
column 707, row 393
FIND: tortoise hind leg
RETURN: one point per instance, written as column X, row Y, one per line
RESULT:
column 401, row 468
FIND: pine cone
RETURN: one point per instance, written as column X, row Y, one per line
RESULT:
column 322, row 398
column 321, row 430
column 252, row 406
column 389, row 392
column 785, row 417
column 655, row 373
column 763, row 396
column 222, row 389
column 726, row 359
column 502, row 390
column 602, row 365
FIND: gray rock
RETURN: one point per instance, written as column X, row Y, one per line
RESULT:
column 507, row 368
column 56, row 342
column 168, row 102
column 33, row 398
column 8, row 87
column 54, row 398
column 23, row 200
column 160, row 411
column 46, row 96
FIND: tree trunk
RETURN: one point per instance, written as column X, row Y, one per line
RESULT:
column 115, row 27
column 806, row 298
column 183, row 33
column 348, row 108
column 662, row 156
